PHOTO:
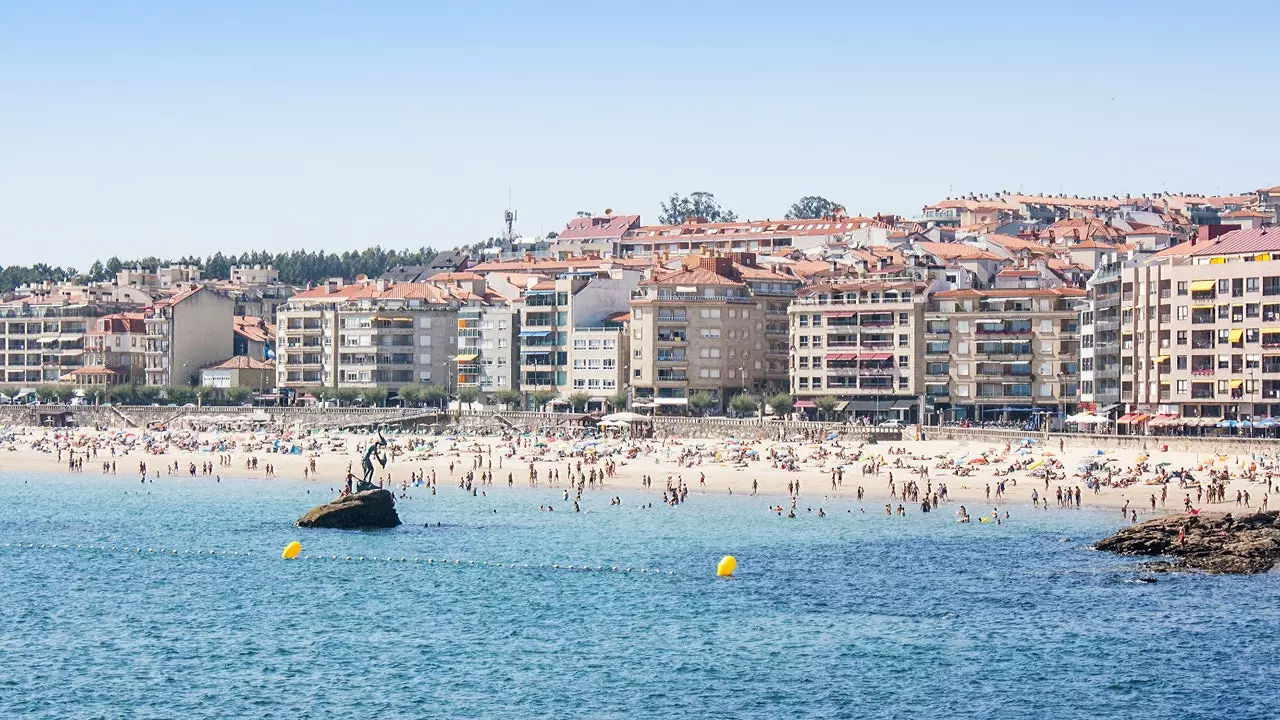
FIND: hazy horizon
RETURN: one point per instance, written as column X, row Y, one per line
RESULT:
column 133, row 129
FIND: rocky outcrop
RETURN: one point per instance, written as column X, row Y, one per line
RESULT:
column 359, row 511
column 1218, row 543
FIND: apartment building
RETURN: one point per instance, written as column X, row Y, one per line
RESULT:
column 600, row 235
column 370, row 334
column 752, row 236
column 115, row 351
column 718, row 324
column 1002, row 354
column 576, row 317
column 43, row 340
column 860, row 342
column 1200, row 333
column 186, row 333
column 487, row 345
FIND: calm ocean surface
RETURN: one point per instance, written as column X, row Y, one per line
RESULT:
column 854, row 615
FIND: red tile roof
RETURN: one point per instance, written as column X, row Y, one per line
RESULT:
column 1011, row 292
column 243, row 362
column 605, row 226
column 1242, row 242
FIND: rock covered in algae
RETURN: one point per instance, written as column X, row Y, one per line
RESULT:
column 358, row 511
column 1214, row 543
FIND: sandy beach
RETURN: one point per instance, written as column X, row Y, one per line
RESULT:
column 970, row 471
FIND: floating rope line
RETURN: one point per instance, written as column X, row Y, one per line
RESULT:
column 451, row 562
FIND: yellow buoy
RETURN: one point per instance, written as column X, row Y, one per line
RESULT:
column 727, row 565
column 291, row 550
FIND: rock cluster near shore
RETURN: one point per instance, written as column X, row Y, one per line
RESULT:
column 359, row 511
column 1218, row 543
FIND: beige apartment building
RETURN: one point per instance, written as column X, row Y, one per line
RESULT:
column 859, row 342
column 186, row 333
column 716, row 325
column 1002, row 354
column 115, row 351
column 369, row 334
column 572, row 334
column 1200, row 333
column 43, row 340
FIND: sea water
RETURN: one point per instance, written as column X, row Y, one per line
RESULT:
column 855, row 615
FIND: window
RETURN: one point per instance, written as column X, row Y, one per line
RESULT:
column 1251, row 310
column 709, row 352
column 710, row 313
column 904, row 340
column 1182, row 387
column 714, row 334
column 902, row 383
column 1251, row 284
column 1182, row 362
column 1182, row 287
column 1224, row 287
column 904, row 319
column 1182, row 337
column 904, row 360
column 1183, row 312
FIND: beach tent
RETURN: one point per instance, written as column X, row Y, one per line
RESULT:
column 1087, row 419
column 627, row 417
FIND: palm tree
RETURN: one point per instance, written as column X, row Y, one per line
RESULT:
column 617, row 401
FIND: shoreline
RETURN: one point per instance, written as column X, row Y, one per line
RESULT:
column 34, row 449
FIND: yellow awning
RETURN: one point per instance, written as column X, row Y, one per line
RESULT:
column 1270, row 331
column 1201, row 307
column 467, row 358
column 1202, row 285
column 1162, row 359
column 1236, row 335
column 1236, row 383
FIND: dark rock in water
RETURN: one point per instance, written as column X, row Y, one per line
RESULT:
column 1219, row 544
column 368, row 509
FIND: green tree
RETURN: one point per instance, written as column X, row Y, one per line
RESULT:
column 577, row 400
column 410, row 395
column 700, row 401
column 813, row 207
column 63, row 393
column 345, row 396
column 238, row 395
column 677, row 209
column 435, row 396
column 179, row 395
column 617, row 401
column 374, row 397
column 507, row 397
column 826, row 404
column 742, row 404
column 540, row 398
column 782, row 404
column 145, row 394
column 468, row 395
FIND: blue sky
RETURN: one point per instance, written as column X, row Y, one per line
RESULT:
column 137, row 128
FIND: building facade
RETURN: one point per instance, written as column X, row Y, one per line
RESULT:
column 716, row 325
column 186, row 333
column 1200, row 333
column 1004, row 355
column 369, row 334
column 859, row 343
